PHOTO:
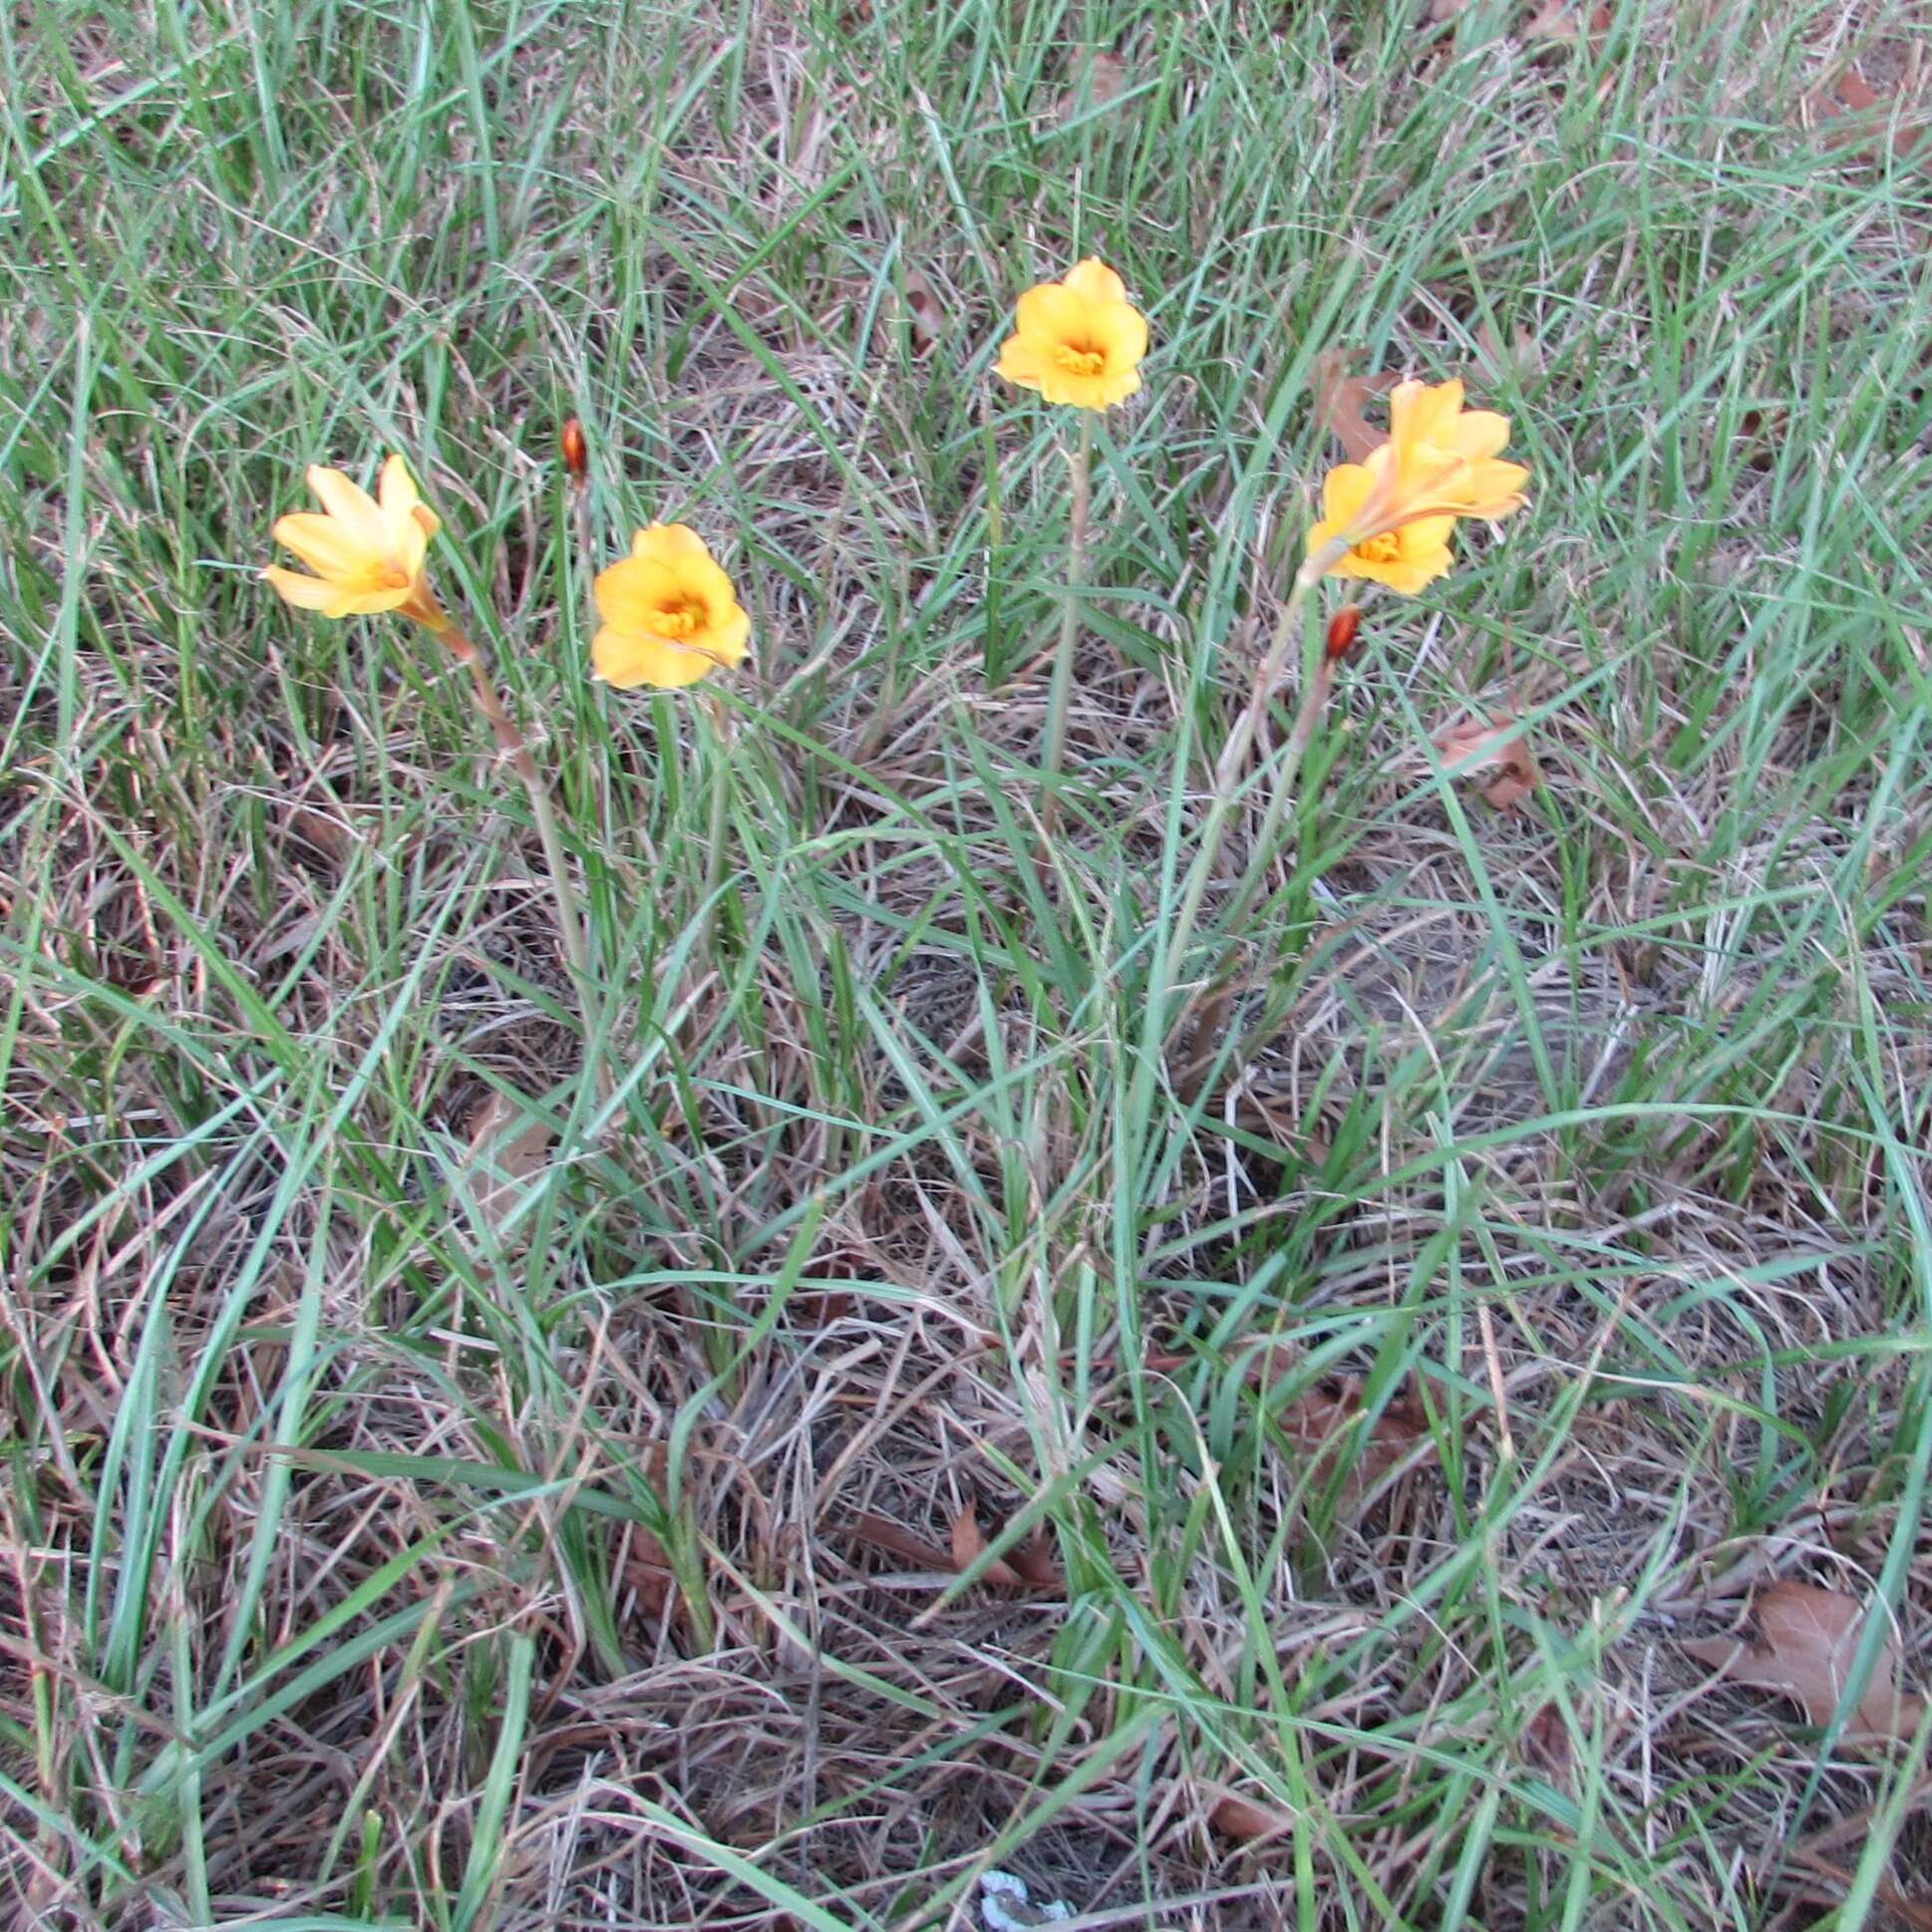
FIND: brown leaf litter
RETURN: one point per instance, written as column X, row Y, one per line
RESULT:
column 1484, row 743
column 1802, row 1643
column 1339, row 399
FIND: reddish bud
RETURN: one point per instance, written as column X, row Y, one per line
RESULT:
column 576, row 453
column 1342, row 628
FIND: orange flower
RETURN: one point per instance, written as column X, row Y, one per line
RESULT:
column 367, row 555
column 1393, row 515
column 1080, row 341
column 671, row 614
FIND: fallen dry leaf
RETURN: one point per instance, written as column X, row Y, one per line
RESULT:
column 1806, row 1643
column 1034, row 1559
column 1244, row 1820
column 928, row 316
column 1545, row 1745
column 1097, row 83
column 897, row 1540
column 1322, row 1420
column 1481, row 742
column 1848, row 111
column 1339, row 396
column 648, row 1572
column 969, row 1545
column 502, row 1164
column 1030, row 1567
column 1559, row 21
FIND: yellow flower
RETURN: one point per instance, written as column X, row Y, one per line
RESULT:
column 1080, row 341
column 669, row 612
column 367, row 555
column 1395, row 511
column 1406, row 558
column 1446, row 454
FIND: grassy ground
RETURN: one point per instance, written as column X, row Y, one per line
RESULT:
column 387, row 1542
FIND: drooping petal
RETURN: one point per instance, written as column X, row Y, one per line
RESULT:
column 326, row 546
column 1093, row 281
column 305, row 592
column 627, row 658
column 1018, row 364
column 350, row 504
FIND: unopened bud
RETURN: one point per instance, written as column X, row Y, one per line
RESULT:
column 1342, row 628
column 577, row 454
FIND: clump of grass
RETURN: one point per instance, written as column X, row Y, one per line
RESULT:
column 512, row 1534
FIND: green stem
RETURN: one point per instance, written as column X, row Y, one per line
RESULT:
column 1078, row 467
column 720, row 807
column 1234, row 754
column 516, row 747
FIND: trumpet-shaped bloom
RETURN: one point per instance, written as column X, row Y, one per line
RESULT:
column 368, row 553
column 1395, row 511
column 1406, row 557
column 1446, row 456
column 669, row 612
column 1079, row 341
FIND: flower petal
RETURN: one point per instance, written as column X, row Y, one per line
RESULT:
column 1478, row 433
column 626, row 658
column 325, row 544
column 1422, row 413
column 706, row 582
column 350, row 504
column 1087, row 392
column 1050, row 316
column 633, row 590
column 1093, row 281
column 1018, row 364
column 1428, row 533
column 305, row 592
column 403, row 513
column 1343, row 491
column 395, row 489
column 730, row 638
column 666, row 541
column 1121, row 333
column 1495, row 488
column 359, row 604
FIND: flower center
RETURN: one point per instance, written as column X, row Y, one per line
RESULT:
column 1386, row 548
column 392, row 576
column 1076, row 359
column 678, row 619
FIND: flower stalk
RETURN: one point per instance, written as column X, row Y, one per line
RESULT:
column 570, row 923
column 1234, row 754
column 1079, row 466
